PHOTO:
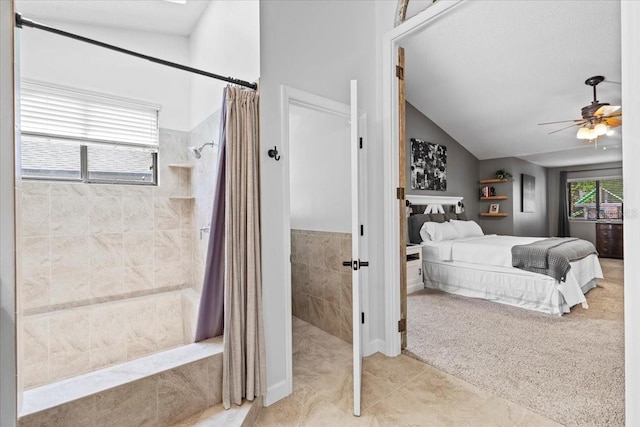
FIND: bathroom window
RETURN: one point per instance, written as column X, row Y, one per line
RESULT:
column 74, row 135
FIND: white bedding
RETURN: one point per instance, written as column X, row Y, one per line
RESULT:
column 480, row 267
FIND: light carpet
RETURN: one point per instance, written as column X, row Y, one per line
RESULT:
column 569, row 368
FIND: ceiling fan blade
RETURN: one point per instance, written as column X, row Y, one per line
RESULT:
column 567, row 127
column 612, row 123
column 607, row 110
column 561, row 121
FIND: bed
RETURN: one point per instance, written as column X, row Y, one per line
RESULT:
column 479, row 266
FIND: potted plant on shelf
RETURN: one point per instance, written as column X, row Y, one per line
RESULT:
column 503, row 174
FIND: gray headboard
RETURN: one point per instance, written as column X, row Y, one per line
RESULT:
column 419, row 203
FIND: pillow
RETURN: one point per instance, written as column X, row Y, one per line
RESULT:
column 467, row 228
column 462, row 216
column 424, row 233
column 449, row 216
column 439, row 231
column 415, row 224
column 436, row 217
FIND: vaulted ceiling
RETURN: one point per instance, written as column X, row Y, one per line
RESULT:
column 490, row 71
column 162, row 16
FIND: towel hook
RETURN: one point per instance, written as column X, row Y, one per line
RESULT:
column 273, row 153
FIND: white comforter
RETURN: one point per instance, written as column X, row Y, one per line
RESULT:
column 486, row 250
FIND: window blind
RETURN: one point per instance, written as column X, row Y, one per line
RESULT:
column 57, row 112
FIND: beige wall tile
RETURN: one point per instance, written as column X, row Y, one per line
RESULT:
column 106, row 250
column 316, row 250
column 317, row 280
column 137, row 213
column 69, row 215
column 138, row 248
column 105, row 190
column 331, row 249
column 35, row 188
column 166, row 246
column 169, row 315
column 35, row 375
column 69, row 254
column 333, row 287
column 140, row 347
column 68, row 287
column 35, row 292
column 133, row 404
column 183, row 392
column 107, row 356
column 108, row 325
column 167, row 213
column 35, row 340
column 69, row 334
column 69, row 366
column 169, row 274
column 34, row 216
column 105, row 215
column 61, row 189
column 77, row 413
column 138, row 278
column 35, row 257
column 107, row 282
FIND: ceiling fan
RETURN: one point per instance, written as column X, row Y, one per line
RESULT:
column 598, row 118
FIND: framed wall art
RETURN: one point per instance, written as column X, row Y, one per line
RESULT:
column 428, row 164
column 528, row 198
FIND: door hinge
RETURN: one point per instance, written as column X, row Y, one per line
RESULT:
column 361, row 230
column 363, row 317
column 402, row 325
column 400, row 193
column 360, row 142
column 399, row 72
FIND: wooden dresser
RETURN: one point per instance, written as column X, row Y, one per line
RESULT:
column 609, row 239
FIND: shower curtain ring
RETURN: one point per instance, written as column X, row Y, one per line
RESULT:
column 273, row 153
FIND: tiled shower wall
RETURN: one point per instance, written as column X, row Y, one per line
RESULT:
column 320, row 284
column 105, row 246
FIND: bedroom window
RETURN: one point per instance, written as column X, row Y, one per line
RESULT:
column 74, row 135
column 595, row 199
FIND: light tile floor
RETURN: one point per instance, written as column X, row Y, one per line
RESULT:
column 398, row 391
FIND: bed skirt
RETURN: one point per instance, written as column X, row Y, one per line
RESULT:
column 515, row 287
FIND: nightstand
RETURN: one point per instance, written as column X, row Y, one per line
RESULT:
column 414, row 268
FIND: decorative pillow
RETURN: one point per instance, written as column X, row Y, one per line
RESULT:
column 467, row 228
column 415, row 224
column 439, row 231
column 449, row 216
column 462, row 216
column 436, row 217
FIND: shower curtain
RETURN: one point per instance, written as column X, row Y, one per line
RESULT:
column 231, row 300
column 244, row 368
column 211, row 308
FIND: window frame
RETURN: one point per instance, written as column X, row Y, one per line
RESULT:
column 596, row 180
column 96, row 100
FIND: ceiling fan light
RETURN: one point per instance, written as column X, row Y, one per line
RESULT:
column 610, row 132
column 583, row 133
column 601, row 129
column 592, row 134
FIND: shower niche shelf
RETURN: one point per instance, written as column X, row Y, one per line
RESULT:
column 182, row 198
column 181, row 165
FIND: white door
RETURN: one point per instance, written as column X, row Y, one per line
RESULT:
column 356, row 264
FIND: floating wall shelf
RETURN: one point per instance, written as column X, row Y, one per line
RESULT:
column 498, row 214
column 493, row 180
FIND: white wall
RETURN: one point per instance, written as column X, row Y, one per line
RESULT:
column 630, row 37
column 8, row 406
column 319, row 162
column 317, row 47
column 60, row 60
column 225, row 42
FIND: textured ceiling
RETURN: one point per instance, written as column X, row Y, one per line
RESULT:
column 489, row 71
column 145, row 15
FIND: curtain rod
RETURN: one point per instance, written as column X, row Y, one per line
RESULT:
column 20, row 22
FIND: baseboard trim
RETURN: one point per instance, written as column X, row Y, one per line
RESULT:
column 277, row 392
